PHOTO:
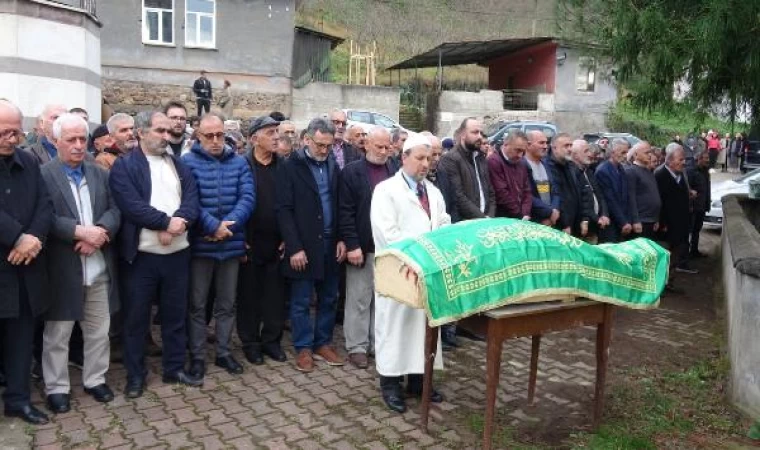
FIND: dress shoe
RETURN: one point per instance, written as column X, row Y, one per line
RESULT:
column 253, row 355
column 29, row 413
column 358, row 360
column 134, row 388
column 182, row 378
column 327, row 354
column 435, row 396
column 229, row 364
column 305, row 361
column 59, row 403
column 395, row 402
column 274, row 351
column 197, row 368
column 101, row 393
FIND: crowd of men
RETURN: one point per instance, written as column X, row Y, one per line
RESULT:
column 98, row 230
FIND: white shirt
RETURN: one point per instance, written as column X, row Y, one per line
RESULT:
column 165, row 196
column 480, row 185
column 93, row 266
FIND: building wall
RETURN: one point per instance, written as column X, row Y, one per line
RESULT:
column 578, row 111
column 532, row 68
column 315, row 99
column 454, row 106
column 254, row 46
column 49, row 54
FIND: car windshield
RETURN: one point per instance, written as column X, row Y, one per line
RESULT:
column 747, row 176
column 360, row 116
column 383, row 121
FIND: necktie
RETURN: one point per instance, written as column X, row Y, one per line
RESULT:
column 422, row 195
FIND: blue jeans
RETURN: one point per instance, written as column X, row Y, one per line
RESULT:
column 306, row 336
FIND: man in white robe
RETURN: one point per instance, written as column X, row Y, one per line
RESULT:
column 404, row 206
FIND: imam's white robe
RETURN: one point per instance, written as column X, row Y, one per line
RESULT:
column 396, row 214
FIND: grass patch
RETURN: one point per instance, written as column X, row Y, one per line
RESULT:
column 503, row 437
column 648, row 410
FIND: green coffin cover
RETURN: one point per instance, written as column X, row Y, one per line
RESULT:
column 478, row 265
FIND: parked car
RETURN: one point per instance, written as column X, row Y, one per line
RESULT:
column 739, row 185
column 752, row 158
column 369, row 119
column 548, row 128
column 592, row 138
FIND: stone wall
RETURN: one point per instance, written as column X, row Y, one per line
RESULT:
column 741, row 282
column 131, row 97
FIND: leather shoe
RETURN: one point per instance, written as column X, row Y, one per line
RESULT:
column 101, row 393
column 274, row 352
column 59, row 403
column 229, row 364
column 395, row 402
column 197, row 368
column 182, row 378
column 29, row 413
column 253, row 355
column 134, row 388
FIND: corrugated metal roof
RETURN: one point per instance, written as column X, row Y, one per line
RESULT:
column 468, row 52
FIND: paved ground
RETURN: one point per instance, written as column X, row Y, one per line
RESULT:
column 274, row 406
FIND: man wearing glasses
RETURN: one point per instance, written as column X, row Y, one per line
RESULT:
column 177, row 114
column 158, row 198
column 227, row 198
column 307, row 206
column 342, row 151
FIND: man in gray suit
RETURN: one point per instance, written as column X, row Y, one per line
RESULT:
column 81, row 265
column 44, row 149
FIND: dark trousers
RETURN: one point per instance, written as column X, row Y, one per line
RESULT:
column 149, row 275
column 698, row 219
column 203, row 104
column 305, row 332
column 713, row 154
column 610, row 234
column 261, row 303
column 17, row 336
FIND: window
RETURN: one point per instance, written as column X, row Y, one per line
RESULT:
column 158, row 22
column 360, row 116
column 383, row 121
column 585, row 79
column 200, row 23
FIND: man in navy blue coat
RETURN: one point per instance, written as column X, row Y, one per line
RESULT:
column 307, row 206
column 614, row 185
column 158, row 199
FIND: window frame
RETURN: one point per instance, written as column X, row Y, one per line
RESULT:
column 586, row 67
column 146, row 31
column 198, row 16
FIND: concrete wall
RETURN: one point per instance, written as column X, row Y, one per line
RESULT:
column 455, row 106
column 254, row 48
column 49, row 53
column 576, row 111
column 315, row 99
column 741, row 280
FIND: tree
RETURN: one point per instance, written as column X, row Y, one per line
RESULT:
column 711, row 45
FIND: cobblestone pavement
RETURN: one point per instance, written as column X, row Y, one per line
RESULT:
column 274, row 406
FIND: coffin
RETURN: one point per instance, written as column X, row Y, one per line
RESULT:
column 478, row 265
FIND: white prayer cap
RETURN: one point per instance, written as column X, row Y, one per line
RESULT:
column 415, row 140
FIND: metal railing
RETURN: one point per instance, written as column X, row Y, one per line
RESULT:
column 87, row 6
column 520, row 99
